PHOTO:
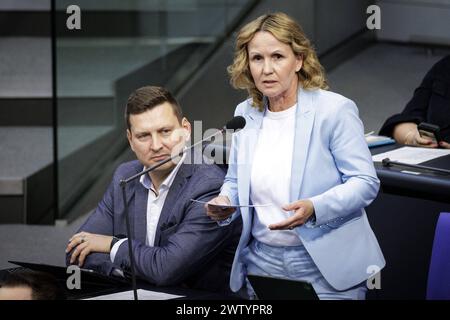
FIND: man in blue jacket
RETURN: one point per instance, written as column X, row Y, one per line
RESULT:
column 174, row 242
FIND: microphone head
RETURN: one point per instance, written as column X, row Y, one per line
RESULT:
column 386, row 162
column 236, row 123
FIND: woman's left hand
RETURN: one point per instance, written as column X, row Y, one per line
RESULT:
column 84, row 243
column 303, row 209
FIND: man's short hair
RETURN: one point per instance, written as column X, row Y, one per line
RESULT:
column 44, row 286
column 146, row 98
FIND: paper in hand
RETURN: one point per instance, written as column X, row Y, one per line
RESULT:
column 225, row 206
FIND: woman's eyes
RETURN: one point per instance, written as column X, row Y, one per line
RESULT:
column 276, row 56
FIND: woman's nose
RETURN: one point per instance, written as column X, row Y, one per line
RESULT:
column 267, row 67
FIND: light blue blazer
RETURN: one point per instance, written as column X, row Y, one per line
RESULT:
column 332, row 166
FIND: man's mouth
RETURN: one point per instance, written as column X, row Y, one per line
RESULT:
column 160, row 157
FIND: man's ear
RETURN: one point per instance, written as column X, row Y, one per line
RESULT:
column 187, row 126
column 130, row 139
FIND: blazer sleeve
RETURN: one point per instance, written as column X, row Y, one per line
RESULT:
column 353, row 160
column 230, row 185
column 99, row 222
column 188, row 246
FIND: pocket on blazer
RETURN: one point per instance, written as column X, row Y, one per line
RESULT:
column 168, row 229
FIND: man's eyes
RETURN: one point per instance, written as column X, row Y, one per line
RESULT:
column 142, row 136
column 166, row 132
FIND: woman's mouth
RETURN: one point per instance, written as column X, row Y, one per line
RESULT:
column 269, row 82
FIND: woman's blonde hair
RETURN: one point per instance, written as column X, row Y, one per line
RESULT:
column 286, row 30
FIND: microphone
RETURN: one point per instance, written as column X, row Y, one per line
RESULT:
column 386, row 162
column 236, row 123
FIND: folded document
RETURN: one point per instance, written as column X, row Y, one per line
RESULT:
column 374, row 140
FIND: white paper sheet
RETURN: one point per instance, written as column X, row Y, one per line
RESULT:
column 411, row 155
column 142, row 295
column 231, row 206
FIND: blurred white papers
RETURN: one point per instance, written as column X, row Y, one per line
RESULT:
column 411, row 155
column 231, row 206
column 142, row 295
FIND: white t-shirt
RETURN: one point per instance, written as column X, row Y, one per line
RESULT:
column 271, row 177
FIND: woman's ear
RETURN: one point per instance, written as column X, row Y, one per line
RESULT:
column 299, row 64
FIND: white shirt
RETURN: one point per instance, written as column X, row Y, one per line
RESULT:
column 155, row 204
column 271, row 177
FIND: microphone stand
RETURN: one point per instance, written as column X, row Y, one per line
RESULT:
column 386, row 162
column 123, row 183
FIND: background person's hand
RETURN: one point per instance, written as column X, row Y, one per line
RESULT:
column 84, row 243
column 444, row 144
column 303, row 209
column 215, row 211
column 415, row 139
column 407, row 134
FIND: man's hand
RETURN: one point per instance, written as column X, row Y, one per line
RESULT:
column 215, row 211
column 84, row 243
column 303, row 209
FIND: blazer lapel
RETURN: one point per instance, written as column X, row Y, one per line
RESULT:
column 303, row 127
column 247, row 151
column 136, row 198
column 175, row 189
column 140, row 212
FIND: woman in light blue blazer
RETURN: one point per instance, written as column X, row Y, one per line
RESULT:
column 300, row 169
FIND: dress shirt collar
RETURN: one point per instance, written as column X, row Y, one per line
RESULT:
column 165, row 185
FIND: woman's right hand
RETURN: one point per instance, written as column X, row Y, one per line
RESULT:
column 216, row 211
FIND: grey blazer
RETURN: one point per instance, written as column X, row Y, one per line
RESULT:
column 190, row 249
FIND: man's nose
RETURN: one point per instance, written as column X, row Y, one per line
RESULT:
column 156, row 144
